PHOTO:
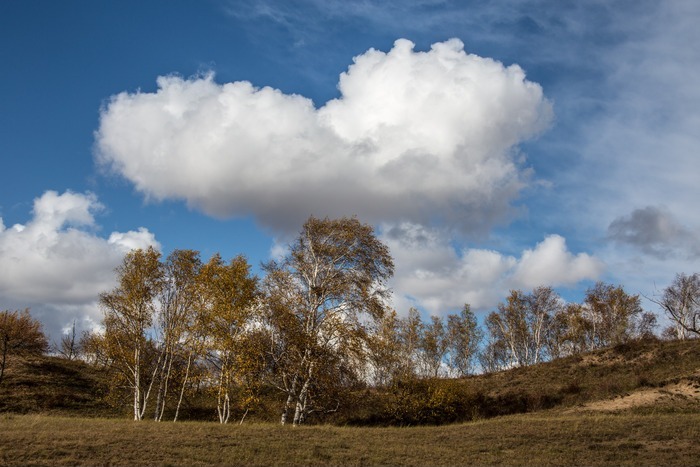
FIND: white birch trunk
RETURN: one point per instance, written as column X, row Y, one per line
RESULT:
column 182, row 388
column 291, row 392
column 137, row 384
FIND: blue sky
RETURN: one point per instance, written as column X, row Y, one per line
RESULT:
column 494, row 145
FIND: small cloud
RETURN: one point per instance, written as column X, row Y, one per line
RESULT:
column 278, row 250
column 131, row 240
column 550, row 263
column 655, row 231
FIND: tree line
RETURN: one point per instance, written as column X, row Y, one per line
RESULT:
column 318, row 325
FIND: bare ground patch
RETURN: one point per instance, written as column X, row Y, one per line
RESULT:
column 685, row 390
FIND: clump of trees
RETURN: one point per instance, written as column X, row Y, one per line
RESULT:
column 303, row 330
column 402, row 349
column 318, row 326
column 169, row 321
column 532, row 327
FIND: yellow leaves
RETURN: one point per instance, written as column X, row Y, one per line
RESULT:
column 310, row 319
column 131, row 304
column 228, row 292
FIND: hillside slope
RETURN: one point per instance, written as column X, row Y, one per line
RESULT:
column 594, row 379
column 44, row 384
column 661, row 376
column 652, row 375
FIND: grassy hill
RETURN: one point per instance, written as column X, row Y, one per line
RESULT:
column 603, row 375
column 43, row 384
column 660, row 376
column 630, row 405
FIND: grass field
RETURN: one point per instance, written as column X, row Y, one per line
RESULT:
column 637, row 404
column 530, row 439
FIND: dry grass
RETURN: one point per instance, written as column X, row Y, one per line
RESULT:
column 531, row 439
column 599, row 375
column 660, row 374
column 595, row 420
column 51, row 384
column 61, row 387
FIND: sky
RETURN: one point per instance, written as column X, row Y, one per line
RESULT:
column 493, row 145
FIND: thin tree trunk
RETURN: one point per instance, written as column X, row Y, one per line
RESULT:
column 147, row 395
column 285, row 410
column 182, row 389
column 300, row 410
column 163, row 386
column 291, row 392
column 223, row 407
column 244, row 415
column 159, row 398
column 137, row 384
column 4, row 357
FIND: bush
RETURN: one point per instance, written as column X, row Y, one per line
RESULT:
column 20, row 334
column 431, row 402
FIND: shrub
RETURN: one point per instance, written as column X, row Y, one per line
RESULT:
column 20, row 334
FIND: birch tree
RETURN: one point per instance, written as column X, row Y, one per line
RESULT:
column 69, row 346
column 94, row 349
column 464, row 337
column 433, row 347
column 569, row 332
column 384, row 347
column 509, row 326
column 495, row 355
column 179, row 300
column 411, row 330
column 681, row 303
column 613, row 314
column 229, row 293
column 543, row 304
column 522, row 323
column 129, row 312
column 318, row 299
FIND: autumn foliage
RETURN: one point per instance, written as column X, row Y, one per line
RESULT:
column 317, row 330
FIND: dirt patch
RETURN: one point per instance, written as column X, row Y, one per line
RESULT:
column 685, row 390
column 601, row 359
column 610, row 357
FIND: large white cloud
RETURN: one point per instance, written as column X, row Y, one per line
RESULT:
column 432, row 274
column 57, row 264
column 414, row 136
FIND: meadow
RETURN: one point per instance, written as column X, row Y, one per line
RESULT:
column 553, row 438
column 636, row 404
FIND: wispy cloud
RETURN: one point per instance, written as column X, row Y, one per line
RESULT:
column 636, row 180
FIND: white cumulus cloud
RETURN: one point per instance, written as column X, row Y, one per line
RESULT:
column 413, row 136
column 431, row 273
column 550, row 263
column 56, row 264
